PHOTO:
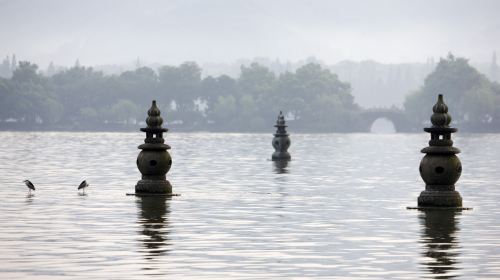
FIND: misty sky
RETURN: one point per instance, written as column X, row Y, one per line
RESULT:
column 117, row 32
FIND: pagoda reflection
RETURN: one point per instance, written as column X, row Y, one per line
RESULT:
column 280, row 166
column 439, row 230
column 153, row 218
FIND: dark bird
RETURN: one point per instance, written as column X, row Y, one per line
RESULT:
column 83, row 185
column 29, row 185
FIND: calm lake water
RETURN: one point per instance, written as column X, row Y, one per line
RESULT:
column 338, row 210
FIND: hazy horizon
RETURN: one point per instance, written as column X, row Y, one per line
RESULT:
column 118, row 32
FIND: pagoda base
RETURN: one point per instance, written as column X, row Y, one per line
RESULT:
column 281, row 156
column 434, row 198
column 430, row 208
column 167, row 195
column 149, row 186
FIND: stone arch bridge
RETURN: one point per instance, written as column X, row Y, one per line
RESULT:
column 396, row 116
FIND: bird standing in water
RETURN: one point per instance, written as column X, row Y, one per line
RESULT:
column 29, row 185
column 83, row 185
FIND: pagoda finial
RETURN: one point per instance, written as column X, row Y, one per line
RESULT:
column 281, row 119
column 440, row 118
column 154, row 119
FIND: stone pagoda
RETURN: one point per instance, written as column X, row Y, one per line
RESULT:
column 281, row 141
column 154, row 161
column 440, row 168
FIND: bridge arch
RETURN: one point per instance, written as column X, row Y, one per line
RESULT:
column 397, row 117
column 382, row 125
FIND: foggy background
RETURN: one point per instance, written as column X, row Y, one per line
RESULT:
column 171, row 32
column 221, row 35
column 383, row 49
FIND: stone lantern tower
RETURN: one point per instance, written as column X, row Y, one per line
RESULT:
column 440, row 168
column 154, row 161
column 281, row 141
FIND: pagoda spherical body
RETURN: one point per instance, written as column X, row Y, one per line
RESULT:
column 281, row 145
column 152, row 162
column 440, row 169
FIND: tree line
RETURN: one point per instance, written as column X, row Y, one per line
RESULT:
column 81, row 98
column 312, row 97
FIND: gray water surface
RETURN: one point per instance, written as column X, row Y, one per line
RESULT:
column 337, row 210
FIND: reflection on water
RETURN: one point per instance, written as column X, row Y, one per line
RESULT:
column 153, row 217
column 280, row 166
column 29, row 198
column 441, row 253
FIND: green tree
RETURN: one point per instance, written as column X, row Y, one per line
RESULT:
column 182, row 84
column 90, row 115
column 81, row 87
column 140, row 86
column 5, row 99
column 224, row 111
column 30, row 97
column 317, row 98
column 469, row 95
column 259, row 82
column 123, row 111
column 256, row 80
column 213, row 88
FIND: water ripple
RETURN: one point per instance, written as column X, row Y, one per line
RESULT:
column 337, row 210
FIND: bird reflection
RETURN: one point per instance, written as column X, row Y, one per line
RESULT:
column 154, row 221
column 280, row 166
column 439, row 238
column 29, row 198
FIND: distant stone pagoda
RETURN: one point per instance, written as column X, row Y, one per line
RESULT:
column 440, row 168
column 281, row 141
column 154, row 161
